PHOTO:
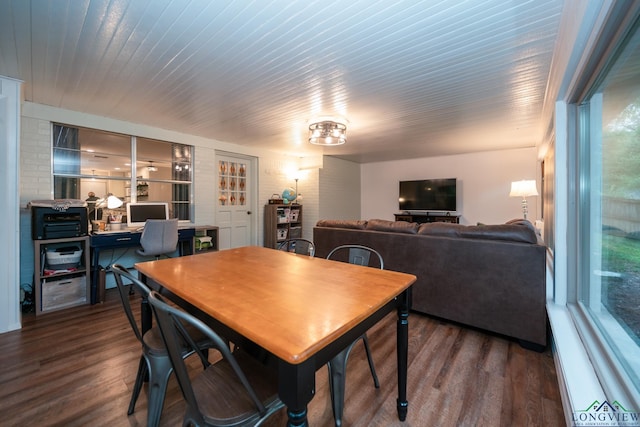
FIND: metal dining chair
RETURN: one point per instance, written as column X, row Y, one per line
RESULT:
column 237, row 390
column 154, row 361
column 298, row 245
column 359, row 255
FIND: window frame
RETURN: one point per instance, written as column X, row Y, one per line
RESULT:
column 184, row 214
column 582, row 164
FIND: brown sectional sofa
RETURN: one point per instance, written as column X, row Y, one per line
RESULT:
column 487, row 276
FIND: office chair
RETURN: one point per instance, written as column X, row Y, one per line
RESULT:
column 154, row 360
column 237, row 390
column 298, row 246
column 159, row 237
column 359, row 255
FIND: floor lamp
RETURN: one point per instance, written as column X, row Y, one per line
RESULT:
column 524, row 189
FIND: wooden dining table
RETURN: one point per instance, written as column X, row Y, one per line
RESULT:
column 293, row 311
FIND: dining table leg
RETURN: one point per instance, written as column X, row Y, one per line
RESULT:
column 296, row 387
column 403, row 353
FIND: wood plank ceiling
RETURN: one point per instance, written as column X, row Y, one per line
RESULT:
column 413, row 78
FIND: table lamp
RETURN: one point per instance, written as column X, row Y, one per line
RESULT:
column 111, row 201
column 524, row 189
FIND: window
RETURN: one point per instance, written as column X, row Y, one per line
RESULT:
column 164, row 174
column 89, row 161
column 608, row 266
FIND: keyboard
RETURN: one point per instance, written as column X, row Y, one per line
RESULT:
column 124, row 230
column 112, row 231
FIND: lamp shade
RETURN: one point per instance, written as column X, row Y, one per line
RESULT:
column 112, row 202
column 524, row 188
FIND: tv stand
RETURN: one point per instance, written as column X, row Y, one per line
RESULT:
column 421, row 218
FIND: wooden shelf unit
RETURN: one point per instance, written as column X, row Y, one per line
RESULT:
column 63, row 289
column 281, row 222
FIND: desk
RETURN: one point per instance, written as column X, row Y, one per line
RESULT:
column 298, row 311
column 128, row 239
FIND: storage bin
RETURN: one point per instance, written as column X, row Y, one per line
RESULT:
column 63, row 258
column 61, row 292
column 295, row 232
column 203, row 242
column 283, row 216
column 293, row 215
column 282, row 233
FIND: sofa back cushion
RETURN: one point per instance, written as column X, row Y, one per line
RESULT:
column 513, row 232
column 441, row 229
column 357, row 224
column 510, row 232
column 392, row 226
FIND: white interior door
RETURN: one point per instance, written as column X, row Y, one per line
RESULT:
column 235, row 200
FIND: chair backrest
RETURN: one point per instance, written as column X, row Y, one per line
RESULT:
column 298, row 246
column 172, row 322
column 159, row 237
column 120, row 273
column 356, row 254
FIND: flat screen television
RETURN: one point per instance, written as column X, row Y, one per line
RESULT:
column 139, row 213
column 428, row 195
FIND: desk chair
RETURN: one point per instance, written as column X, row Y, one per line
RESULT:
column 238, row 390
column 298, row 246
column 154, row 361
column 359, row 255
column 159, row 237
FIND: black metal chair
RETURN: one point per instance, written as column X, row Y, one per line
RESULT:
column 235, row 391
column 154, row 362
column 298, row 246
column 359, row 255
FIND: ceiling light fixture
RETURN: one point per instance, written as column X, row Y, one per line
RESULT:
column 152, row 168
column 327, row 132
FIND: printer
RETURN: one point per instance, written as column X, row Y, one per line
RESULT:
column 58, row 219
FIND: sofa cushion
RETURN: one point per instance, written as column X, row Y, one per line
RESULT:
column 509, row 232
column 392, row 226
column 358, row 224
column 521, row 221
column 445, row 229
column 514, row 232
column 526, row 223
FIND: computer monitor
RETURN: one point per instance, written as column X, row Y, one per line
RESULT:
column 139, row 213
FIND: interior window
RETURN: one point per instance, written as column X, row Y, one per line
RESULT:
column 164, row 173
column 91, row 164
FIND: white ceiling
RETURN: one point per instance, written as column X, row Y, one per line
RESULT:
column 413, row 78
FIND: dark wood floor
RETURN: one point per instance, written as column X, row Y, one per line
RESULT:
column 76, row 367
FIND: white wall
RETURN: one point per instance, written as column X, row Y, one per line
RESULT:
column 9, row 232
column 484, row 182
column 339, row 189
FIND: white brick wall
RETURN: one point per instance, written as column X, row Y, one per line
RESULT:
column 339, row 193
column 35, row 184
column 274, row 178
column 35, row 160
column 204, row 185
